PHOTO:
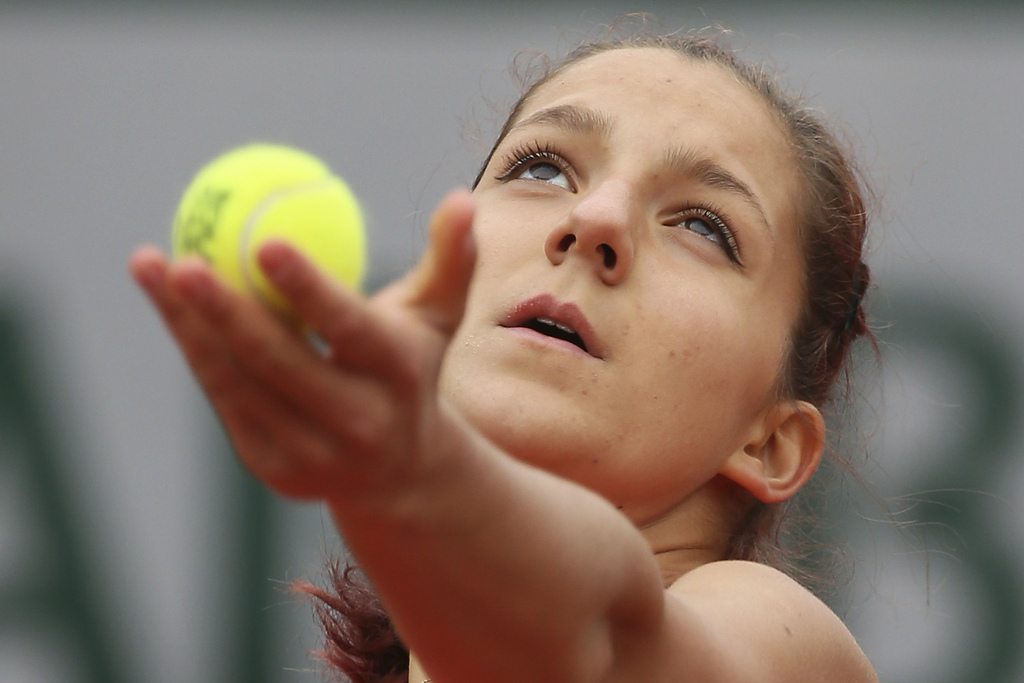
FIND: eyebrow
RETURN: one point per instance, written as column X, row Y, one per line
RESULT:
column 572, row 118
column 709, row 172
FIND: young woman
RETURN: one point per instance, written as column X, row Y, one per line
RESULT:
column 558, row 445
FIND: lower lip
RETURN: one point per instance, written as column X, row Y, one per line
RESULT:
column 539, row 340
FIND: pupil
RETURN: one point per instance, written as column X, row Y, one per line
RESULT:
column 701, row 227
column 544, row 171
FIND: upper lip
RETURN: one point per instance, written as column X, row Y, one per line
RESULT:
column 562, row 317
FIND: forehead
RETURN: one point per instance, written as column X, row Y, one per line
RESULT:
column 660, row 100
column 657, row 85
column 648, row 84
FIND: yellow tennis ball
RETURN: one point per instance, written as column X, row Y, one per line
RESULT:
column 262, row 191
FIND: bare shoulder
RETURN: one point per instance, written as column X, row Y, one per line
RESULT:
column 766, row 625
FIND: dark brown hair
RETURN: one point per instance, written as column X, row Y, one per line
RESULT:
column 361, row 645
column 833, row 227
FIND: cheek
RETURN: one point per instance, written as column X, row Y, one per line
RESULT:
column 710, row 355
column 498, row 227
column 512, row 230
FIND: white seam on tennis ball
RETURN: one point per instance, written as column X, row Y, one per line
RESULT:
column 257, row 215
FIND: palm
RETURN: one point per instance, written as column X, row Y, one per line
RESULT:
column 328, row 425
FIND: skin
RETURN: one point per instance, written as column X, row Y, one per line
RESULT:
column 679, row 324
column 528, row 510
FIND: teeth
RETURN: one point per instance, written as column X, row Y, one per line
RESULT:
column 562, row 327
column 552, row 328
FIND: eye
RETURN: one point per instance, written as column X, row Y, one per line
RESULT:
column 710, row 226
column 703, row 228
column 538, row 164
column 546, row 172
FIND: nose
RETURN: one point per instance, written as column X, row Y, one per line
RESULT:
column 598, row 230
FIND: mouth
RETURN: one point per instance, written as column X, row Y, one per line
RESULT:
column 563, row 322
column 553, row 328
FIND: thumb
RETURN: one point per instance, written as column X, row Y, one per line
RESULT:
column 438, row 285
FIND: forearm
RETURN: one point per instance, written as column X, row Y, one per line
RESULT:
column 494, row 570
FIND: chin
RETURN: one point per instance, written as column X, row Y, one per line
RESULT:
column 535, row 424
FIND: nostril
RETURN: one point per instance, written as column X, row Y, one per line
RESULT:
column 609, row 256
column 566, row 242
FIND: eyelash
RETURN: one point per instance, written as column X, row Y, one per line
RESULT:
column 719, row 221
column 524, row 154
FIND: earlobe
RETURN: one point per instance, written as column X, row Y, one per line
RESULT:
column 781, row 454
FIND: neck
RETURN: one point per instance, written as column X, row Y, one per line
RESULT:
column 696, row 531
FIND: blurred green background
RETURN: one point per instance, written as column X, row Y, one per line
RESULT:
column 132, row 547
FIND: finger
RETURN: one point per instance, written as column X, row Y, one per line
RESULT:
column 177, row 289
column 299, row 442
column 223, row 335
column 228, row 336
column 361, row 338
column 281, row 446
column 292, row 418
column 206, row 352
column 148, row 267
column 438, row 285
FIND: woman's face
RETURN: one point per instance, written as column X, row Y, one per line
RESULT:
column 638, row 276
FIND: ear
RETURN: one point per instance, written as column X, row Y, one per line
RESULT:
column 781, row 454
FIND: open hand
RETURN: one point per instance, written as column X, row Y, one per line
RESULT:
column 350, row 421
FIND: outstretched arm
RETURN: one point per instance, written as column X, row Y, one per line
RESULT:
column 475, row 554
column 492, row 569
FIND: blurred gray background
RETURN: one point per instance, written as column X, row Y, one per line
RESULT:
column 132, row 548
